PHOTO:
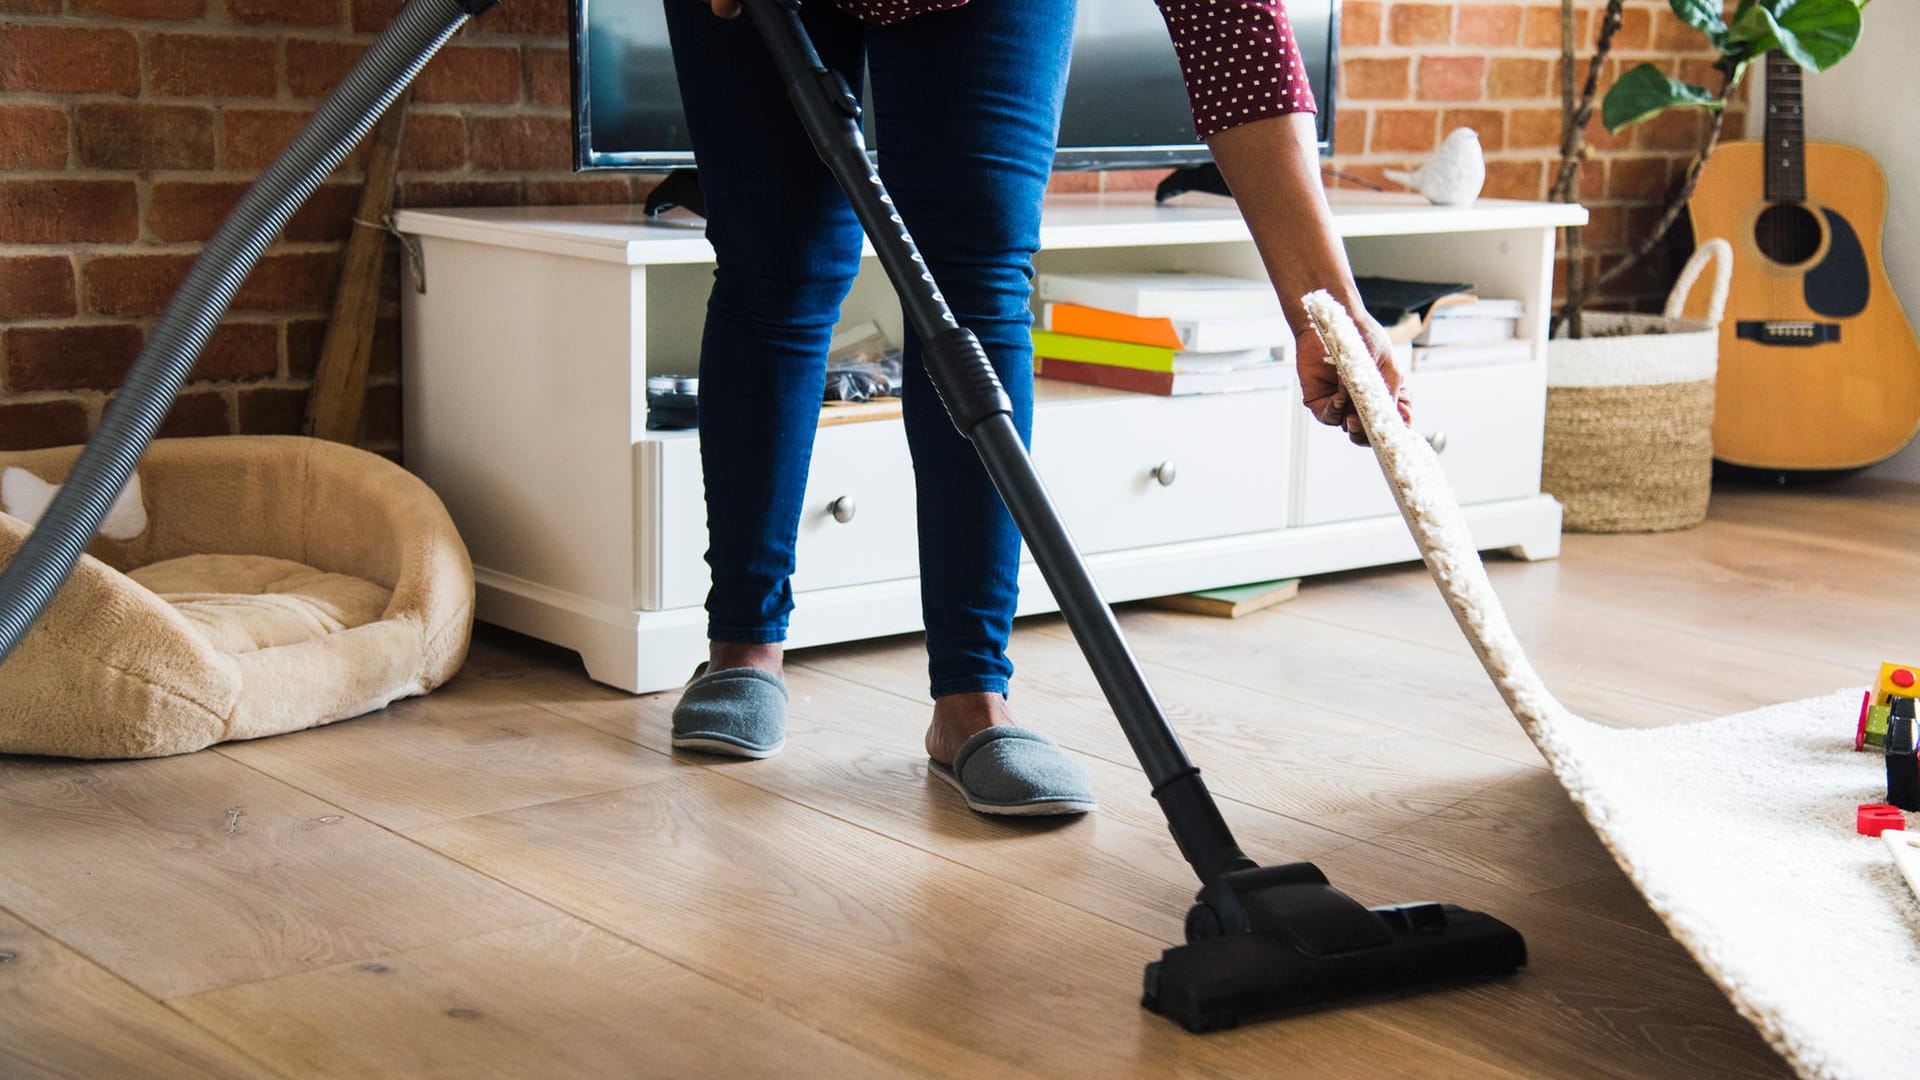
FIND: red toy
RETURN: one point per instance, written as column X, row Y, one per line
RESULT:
column 1872, row 819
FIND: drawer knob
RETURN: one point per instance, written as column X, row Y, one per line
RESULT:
column 842, row 509
column 1438, row 440
column 1165, row 473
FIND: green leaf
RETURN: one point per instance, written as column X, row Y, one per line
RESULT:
column 1702, row 15
column 1646, row 92
column 1816, row 34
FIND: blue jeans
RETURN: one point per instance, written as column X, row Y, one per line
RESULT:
column 966, row 113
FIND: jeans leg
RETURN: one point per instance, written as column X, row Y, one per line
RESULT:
column 787, row 247
column 967, row 106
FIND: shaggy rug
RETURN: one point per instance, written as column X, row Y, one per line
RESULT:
column 1739, row 831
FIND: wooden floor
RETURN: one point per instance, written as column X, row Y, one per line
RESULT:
column 513, row 877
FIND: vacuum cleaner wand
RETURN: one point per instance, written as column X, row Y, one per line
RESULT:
column 1260, row 940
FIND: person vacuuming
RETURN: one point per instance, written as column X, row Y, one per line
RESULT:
column 968, row 95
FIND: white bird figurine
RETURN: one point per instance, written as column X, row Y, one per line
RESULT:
column 1454, row 175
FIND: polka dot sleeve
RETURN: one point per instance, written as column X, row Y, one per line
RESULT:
column 1240, row 61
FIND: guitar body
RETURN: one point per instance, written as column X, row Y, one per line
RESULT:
column 1819, row 366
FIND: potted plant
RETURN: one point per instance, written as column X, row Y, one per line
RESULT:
column 1630, row 396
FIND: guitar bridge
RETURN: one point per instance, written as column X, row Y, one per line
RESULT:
column 1786, row 331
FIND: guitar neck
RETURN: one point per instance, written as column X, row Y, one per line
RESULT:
column 1786, row 169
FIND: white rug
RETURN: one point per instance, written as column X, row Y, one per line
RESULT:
column 1739, row 831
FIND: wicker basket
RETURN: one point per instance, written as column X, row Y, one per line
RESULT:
column 1629, row 434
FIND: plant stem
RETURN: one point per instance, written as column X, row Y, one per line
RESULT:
column 1573, row 139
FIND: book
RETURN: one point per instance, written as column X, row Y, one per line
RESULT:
column 1449, row 357
column 1163, row 295
column 1264, row 376
column 1214, row 334
column 1232, row 602
column 1456, row 331
column 1051, row 345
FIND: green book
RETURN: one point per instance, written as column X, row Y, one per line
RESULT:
column 1232, row 601
column 1052, row 345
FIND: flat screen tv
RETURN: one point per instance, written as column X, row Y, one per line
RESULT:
column 1126, row 106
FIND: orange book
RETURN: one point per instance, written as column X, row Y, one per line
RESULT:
column 1112, row 326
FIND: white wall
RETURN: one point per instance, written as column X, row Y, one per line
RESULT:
column 1872, row 100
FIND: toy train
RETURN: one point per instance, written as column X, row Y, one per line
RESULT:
column 1888, row 723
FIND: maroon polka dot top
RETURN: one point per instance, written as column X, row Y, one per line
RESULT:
column 1238, row 56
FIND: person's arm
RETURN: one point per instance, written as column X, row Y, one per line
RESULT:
column 1273, row 167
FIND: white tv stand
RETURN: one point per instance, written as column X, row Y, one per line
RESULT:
column 525, row 409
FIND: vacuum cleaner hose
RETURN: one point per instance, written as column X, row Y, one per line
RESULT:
column 49, row 553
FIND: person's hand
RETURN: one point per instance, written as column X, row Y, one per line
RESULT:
column 726, row 9
column 1320, row 386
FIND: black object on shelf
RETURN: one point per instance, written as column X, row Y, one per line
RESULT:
column 673, row 402
column 1205, row 178
column 681, row 187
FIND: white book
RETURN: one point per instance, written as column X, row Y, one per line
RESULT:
column 1229, row 360
column 1450, row 357
column 1169, row 295
column 1466, row 331
column 1234, row 332
column 1481, row 309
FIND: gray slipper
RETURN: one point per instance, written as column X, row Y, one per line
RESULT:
column 740, row 712
column 1010, row 770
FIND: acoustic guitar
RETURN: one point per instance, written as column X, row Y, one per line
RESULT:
column 1819, row 367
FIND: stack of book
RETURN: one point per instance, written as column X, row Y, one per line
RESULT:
column 1446, row 325
column 1162, row 333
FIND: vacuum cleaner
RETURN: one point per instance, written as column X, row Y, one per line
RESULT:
column 1260, row 941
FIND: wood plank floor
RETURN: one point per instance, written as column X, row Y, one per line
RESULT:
column 514, row 877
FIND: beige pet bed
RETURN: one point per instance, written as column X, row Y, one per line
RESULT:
column 244, row 586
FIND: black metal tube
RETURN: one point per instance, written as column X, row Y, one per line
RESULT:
column 972, row 393
column 49, row 553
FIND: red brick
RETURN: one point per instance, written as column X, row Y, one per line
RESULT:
column 1489, row 124
column 1488, row 24
column 549, row 77
column 433, row 142
column 1073, row 183
column 1350, row 132
column 133, row 284
column 1452, row 78
column 372, row 16
column 1701, row 73
column 1637, row 177
column 285, row 12
column 1593, row 180
column 1405, row 131
column 112, row 135
column 1680, row 129
column 239, row 352
column 272, row 411
column 1670, row 35
column 1600, row 138
column 190, row 209
column 36, row 286
column 1515, row 180
column 1420, row 24
column 195, row 415
column 471, row 75
column 1530, row 128
column 327, row 215
column 314, row 68
column 250, row 138
column 380, row 419
column 306, row 336
column 292, row 282
column 142, row 9
column 610, row 192
column 1542, row 29
column 1636, row 30
column 68, row 60
column 32, row 137
column 520, row 143
column 30, row 7
column 385, row 356
column 1360, row 22
column 540, row 18
column 1511, row 77
column 68, row 211
column 32, row 425
column 460, row 193
column 208, row 65
column 70, row 357
column 1383, row 79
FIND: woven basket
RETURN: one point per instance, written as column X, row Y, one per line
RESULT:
column 1629, row 434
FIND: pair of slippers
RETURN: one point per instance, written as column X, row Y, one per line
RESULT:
column 742, row 712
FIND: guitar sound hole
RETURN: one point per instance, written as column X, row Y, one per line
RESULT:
column 1787, row 233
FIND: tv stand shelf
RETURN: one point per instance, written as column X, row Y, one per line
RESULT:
column 524, row 396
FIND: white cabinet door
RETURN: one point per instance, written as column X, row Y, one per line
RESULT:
column 1486, row 422
column 1135, row 470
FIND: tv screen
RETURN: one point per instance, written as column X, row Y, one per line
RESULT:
column 1126, row 105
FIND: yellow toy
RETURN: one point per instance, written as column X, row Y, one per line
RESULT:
column 1896, row 680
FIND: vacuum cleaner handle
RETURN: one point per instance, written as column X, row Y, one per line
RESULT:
column 971, row 391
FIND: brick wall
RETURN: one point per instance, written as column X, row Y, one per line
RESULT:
column 128, row 127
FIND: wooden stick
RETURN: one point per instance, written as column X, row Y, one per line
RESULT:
column 340, row 383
